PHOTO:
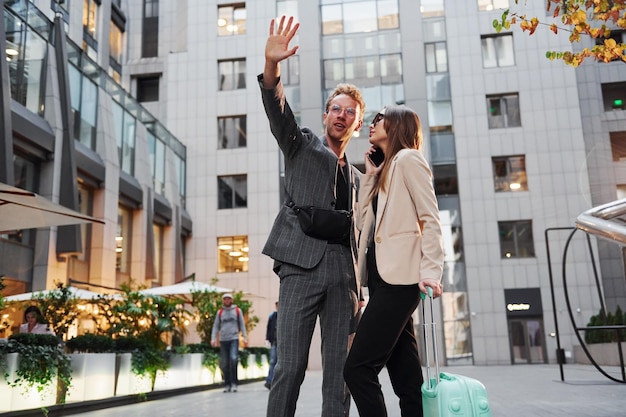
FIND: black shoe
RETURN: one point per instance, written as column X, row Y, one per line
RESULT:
column 268, row 385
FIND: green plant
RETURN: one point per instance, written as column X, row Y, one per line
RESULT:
column 41, row 361
column 150, row 318
column 606, row 336
column 244, row 355
column 60, row 308
column 90, row 343
column 145, row 360
column 258, row 354
column 211, row 359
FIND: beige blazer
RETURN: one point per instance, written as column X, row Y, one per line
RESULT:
column 409, row 245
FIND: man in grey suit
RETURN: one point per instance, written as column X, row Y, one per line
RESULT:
column 317, row 276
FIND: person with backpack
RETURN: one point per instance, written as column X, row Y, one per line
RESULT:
column 227, row 325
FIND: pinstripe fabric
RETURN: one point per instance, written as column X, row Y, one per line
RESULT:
column 302, row 299
column 316, row 278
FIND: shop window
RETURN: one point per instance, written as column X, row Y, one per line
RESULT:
column 123, row 240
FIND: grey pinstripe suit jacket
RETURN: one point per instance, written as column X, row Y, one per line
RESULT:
column 309, row 179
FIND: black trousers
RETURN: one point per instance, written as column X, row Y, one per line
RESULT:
column 385, row 337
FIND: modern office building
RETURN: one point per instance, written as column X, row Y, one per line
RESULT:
column 150, row 112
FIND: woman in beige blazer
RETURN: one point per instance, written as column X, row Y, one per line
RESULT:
column 400, row 254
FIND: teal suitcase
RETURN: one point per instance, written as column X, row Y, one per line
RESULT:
column 445, row 394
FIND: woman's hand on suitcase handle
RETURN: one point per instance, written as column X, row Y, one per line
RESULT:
column 436, row 286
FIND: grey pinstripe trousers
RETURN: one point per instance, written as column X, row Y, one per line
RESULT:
column 328, row 291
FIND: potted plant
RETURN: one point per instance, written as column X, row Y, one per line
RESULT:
column 35, row 366
column 602, row 343
column 93, row 359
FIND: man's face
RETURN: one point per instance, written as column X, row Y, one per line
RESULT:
column 342, row 118
column 227, row 301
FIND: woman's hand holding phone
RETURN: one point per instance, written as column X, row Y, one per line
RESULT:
column 374, row 159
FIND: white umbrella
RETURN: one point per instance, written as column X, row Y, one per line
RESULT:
column 76, row 292
column 184, row 288
column 21, row 209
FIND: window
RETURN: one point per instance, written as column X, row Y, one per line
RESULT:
column 509, row 173
column 232, row 254
column 503, row 111
column 156, row 148
column 158, row 232
column 516, row 239
column 124, row 127
column 26, row 54
column 617, row 35
column 431, row 8
column 232, row 191
column 90, row 17
column 364, row 71
column 84, row 101
column 488, row 5
column 148, row 88
column 231, row 19
column 618, row 146
column 231, row 132
column 614, row 96
column 150, row 29
column 436, row 57
column 446, row 180
column 290, row 71
column 498, row 50
column 122, row 240
column 181, row 172
column 116, row 37
column 232, row 74
column 359, row 16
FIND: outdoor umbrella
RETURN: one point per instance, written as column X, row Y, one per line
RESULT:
column 76, row 292
column 21, row 209
column 184, row 288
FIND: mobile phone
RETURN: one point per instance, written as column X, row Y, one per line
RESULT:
column 377, row 157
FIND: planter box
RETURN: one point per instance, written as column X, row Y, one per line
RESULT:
column 603, row 353
column 23, row 397
column 92, row 378
column 6, row 392
column 126, row 382
column 185, row 371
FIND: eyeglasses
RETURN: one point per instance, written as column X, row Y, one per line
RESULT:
column 336, row 110
column 377, row 119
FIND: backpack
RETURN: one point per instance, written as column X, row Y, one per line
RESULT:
column 237, row 313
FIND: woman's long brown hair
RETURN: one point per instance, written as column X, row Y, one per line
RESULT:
column 404, row 131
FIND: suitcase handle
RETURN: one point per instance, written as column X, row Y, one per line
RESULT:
column 432, row 325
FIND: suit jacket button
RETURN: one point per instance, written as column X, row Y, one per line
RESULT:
column 378, row 239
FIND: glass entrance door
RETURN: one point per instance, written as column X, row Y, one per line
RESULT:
column 527, row 341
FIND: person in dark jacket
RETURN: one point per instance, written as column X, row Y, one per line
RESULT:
column 270, row 340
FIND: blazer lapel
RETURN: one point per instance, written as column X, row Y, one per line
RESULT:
column 383, row 196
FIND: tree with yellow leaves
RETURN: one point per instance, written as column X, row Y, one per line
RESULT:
column 593, row 18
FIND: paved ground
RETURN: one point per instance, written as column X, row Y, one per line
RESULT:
column 520, row 390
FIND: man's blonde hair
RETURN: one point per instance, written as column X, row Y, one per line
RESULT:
column 351, row 91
